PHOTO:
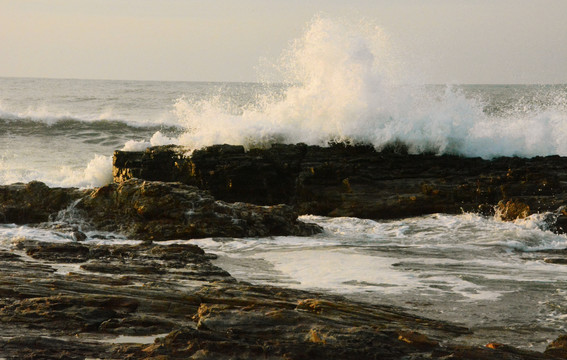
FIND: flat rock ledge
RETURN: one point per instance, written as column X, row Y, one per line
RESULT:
column 151, row 301
column 359, row 181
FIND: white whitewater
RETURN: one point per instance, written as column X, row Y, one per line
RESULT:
column 479, row 272
column 346, row 85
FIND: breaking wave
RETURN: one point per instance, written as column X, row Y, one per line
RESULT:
column 345, row 84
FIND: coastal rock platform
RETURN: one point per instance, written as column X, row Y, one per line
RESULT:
column 168, row 301
column 91, row 297
column 147, row 210
column 359, row 181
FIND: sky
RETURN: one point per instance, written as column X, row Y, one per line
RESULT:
column 449, row 41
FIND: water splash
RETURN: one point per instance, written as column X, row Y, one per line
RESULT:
column 344, row 84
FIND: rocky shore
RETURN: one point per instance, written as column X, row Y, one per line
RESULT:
column 359, row 181
column 148, row 210
column 146, row 301
column 93, row 297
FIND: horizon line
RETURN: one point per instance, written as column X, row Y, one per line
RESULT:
column 264, row 82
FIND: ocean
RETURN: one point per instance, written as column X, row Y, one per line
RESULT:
column 468, row 269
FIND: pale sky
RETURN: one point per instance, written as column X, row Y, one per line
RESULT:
column 450, row 41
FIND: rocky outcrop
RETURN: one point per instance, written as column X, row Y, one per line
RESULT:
column 147, row 210
column 150, row 301
column 33, row 202
column 152, row 210
column 355, row 180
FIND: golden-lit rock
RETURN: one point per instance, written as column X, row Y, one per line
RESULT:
column 512, row 210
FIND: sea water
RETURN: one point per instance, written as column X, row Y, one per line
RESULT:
column 339, row 82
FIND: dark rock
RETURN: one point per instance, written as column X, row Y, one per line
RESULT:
column 145, row 210
column 162, row 163
column 67, row 313
column 78, row 235
column 490, row 352
column 59, row 252
column 161, row 211
column 39, row 347
column 48, row 314
column 33, row 202
column 560, row 224
column 123, row 269
column 418, row 340
column 558, row 348
column 140, row 326
column 561, row 261
column 358, row 181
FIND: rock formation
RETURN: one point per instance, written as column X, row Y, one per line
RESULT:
column 148, row 210
column 355, row 180
column 33, row 202
column 151, row 301
column 153, row 210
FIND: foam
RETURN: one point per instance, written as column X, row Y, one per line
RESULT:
column 157, row 139
column 346, row 84
column 97, row 172
column 442, row 231
column 439, row 255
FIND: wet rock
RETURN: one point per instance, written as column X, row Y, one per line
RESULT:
column 417, row 339
column 358, row 180
column 512, row 210
column 59, row 252
column 67, row 313
column 123, row 269
column 34, row 202
column 39, row 347
column 559, row 225
column 78, row 235
column 139, row 326
column 500, row 352
column 188, row 310
column 161, row 211
column 39, row 300
column 561, row 261
column 145, row 210
column 163, row 163
column 558, row 348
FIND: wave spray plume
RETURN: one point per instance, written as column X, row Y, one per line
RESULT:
column 344, row 85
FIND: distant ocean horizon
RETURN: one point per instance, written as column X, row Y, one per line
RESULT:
column 259, row 82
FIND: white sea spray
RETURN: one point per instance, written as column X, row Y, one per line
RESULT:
column 345, row 84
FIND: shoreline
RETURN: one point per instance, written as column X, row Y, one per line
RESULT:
column 137, row 292
column 147, row 289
